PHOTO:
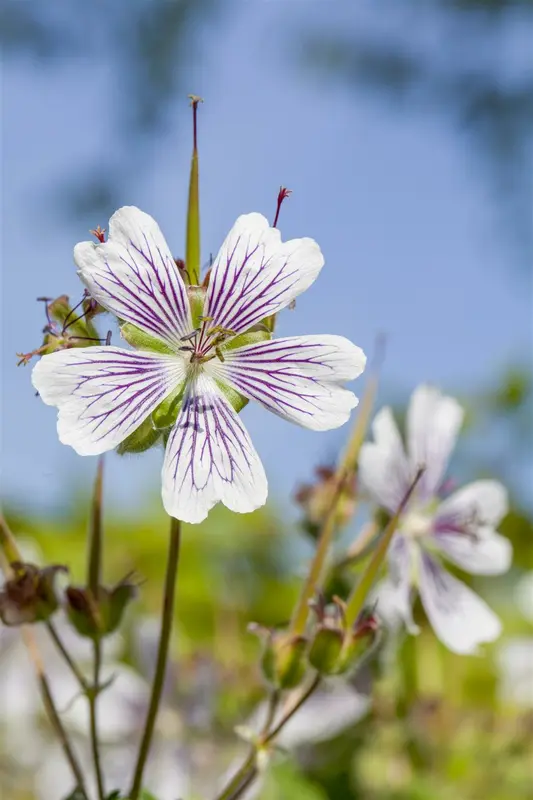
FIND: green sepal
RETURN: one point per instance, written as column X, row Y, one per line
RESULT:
column 166, row 413
column 236, row 400
column 141, row 340
column 144, row 437
column 252, row 336
column 325, row 650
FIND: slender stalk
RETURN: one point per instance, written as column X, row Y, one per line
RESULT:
column 10, row 553
column 359, row 548
column 314, row 577
column 355, row 603
column 93, row 700
column 248, row 771
column 94, row 571
column 52, row 630
column 239, row 781
column 345, row 469
column 50, row 707
column 294, row 708
column 160, row 670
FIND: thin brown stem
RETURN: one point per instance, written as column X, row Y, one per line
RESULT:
column 162, row 655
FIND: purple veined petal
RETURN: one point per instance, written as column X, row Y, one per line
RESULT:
column 463, row 528
column 383, row 468
column 483, row 502
column 299, row 378
column 460, row 619
column 134, row 276
column 104, row 393
column 394, row 595
column 484, row 552
column 255, row 274
column 433, row 424
column 210, row 458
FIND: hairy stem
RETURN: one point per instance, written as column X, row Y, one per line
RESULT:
column 162, row 655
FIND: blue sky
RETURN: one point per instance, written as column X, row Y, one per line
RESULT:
column 407, row 231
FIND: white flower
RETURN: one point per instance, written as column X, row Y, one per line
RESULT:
column 105, row 393
column 460, row 528
column 515, row 659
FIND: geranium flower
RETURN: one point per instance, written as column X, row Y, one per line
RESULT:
column 199, row 357
column 460, row 527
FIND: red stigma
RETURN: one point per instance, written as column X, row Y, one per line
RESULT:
column 282, row 195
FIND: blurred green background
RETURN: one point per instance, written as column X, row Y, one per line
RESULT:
column 404, row 129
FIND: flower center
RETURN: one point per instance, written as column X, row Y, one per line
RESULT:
column 416, row 523
column 205, row 342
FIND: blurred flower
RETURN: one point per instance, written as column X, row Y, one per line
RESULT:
column 461, row 527
column 316, row 499
column 515, row 658
column 524, row 596
column 202, row 354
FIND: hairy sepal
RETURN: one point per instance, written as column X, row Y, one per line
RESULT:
column 140, row 340
column 142, row 439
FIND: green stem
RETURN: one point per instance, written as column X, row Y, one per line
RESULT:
column 93, row 700
column 240, row 779
column 66, row 655
column 160, row 670
column 356, row 601
column 345, row 469
column 93, row 581
column 61, row 734
column 296, row 707
column 248, row 771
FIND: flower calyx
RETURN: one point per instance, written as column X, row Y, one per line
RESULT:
column 284, row 659
column 96, row 617
column 30, row 594
column 335, row 648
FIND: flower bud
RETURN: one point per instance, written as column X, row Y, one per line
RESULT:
column 95, row 618
column 316, row 499
column 325, row 650
column 284, row 660
column 30, row 595
column 359, row 642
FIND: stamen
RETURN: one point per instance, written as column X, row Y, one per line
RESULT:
column 99, row 233
column 72, row 310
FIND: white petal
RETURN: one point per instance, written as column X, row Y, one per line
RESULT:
column 104, row 393
column 482, row 503
column 460, row 618
column 255, row 274
column 300, row 378
column 482, row 553
column 210, row 458
column 433, row 423
column 383, row 468
column 394, row 594
column 134, row 276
